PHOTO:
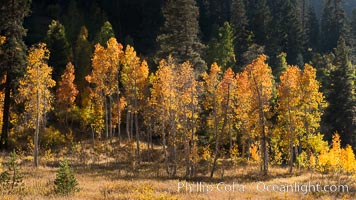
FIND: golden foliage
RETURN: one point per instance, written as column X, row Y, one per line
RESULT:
column 255, row 154
column 67, row 90
column 336, row 159
column 2, row 40
column 348, row 161
column 34, row 89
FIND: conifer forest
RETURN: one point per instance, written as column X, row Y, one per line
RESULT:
column 178, row 99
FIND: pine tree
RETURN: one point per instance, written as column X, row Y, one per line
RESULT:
column 239, row 23
column 221, row 48
column 59, row 47
column 312, row 30
column 179, row 34
column 281, row 65
column 353, row 38
column 340, row 115
column 219, row 12
column 11, row 178
column 106, row 32
column 333, row 25
column 286, row 33
column 14, row 55
column 72, row 20
column 82, row 54
column 259, row 15
column 65, row 182
column 252, row 53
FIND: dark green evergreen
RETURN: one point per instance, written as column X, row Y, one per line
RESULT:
column 106, row 32
column 252, row 53
column 221, row 48
column 60, row 51
column 340, row 115
column 239, row 22
column 213, row 14
column 286, row 33
column 323, row 65
column 353, row 36
column 82, row 54
column 11, row 179
column 13, row 59
column 72, row 20
column 179, row 34
column 65, row 182
column 281, row 65
column 333, row 25
column 311, row 32
column 259, row 15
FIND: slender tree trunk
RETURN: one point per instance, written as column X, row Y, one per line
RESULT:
column 217, row 148
column 193, row 170
column 138, row 157
column 35, row 153
column 186, row 145
column 6, row 113
column 291, row 138
column 171, row 146
column 187, row 153
column 149, row 138
column 296, row 153
column 243, row 151
column 119, row 119
column 93, row 136
column 290, row 153
column 110, row 120
column 138, row 154
column 164, row 143
column 132, row 116
column 106, row 118
column 264, row 137
column 216, row 137
column 230, row 136
column 128, row 123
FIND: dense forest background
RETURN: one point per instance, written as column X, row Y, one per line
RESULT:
column 306, row 30
column 121, row 86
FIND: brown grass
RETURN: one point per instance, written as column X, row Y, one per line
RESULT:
column 97, row 183
column 114, row 178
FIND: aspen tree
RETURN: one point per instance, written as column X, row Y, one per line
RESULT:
column 34, row 90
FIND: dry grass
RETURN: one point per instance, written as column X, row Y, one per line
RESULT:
column 97, row 183
column 114, row 178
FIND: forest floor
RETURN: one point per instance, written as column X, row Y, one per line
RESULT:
column 112, row 180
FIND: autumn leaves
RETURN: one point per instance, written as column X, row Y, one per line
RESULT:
column 181, row 107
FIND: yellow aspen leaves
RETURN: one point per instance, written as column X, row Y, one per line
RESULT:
column 34, row 87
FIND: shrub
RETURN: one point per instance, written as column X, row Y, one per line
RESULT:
column 65, row 182
column 11, row 178
column 52, row 139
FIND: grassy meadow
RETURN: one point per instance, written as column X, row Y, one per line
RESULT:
column 108, row 171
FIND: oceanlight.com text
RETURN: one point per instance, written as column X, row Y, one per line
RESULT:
column 236, row 187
